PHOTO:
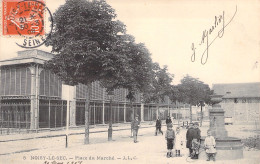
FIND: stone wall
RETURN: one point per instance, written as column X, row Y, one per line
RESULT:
column 243, row 110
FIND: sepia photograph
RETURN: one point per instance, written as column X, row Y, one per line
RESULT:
column 129, row 81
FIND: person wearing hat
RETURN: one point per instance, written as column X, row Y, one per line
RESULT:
column 168, row 120
column 189, row 136
column 169, row 136
column 135, row 125
column 196, row 141
column 158, row 126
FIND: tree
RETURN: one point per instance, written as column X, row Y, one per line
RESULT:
column 90, row 45
column 174, row 96
column 160, row 85
column 85, row 36
column 141, row 77
column 193, row 91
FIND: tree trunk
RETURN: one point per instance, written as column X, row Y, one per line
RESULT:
column 86, row 140
column 132, row 117
column 158, row 113
column 177, row 106
column 132, row 109
column 190, row 113
column 201, row 115
column 110, row 130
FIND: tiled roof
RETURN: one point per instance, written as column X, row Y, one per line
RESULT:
column 237, row 90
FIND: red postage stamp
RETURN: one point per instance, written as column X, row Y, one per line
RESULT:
column 26, row 18
column 23, row 17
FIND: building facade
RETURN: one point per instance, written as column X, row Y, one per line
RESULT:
column 33, row 98
column 241, row 101
column 30, row 95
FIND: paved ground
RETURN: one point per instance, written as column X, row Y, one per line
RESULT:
column 149, row 149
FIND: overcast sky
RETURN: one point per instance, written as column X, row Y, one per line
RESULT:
column 170, row 27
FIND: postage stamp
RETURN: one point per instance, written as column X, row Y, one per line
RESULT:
column 26, row 19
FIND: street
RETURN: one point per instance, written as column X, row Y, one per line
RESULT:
column 149, row 149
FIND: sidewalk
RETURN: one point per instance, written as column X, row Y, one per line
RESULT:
column 149, row 149
column 72, row 131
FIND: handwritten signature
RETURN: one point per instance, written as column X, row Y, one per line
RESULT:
column 219, row 20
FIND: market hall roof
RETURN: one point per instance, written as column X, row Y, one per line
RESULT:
column 238, row 90
column 28, row 56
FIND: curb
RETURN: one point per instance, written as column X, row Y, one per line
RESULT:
column 63, row 134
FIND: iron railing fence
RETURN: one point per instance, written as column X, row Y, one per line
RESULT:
column 15, row 119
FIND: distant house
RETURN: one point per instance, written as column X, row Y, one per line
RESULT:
column 241, row 101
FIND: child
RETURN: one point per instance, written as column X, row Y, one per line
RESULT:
column 169, row 136
column 195, row 143
column 178, row 142
column 210, row 146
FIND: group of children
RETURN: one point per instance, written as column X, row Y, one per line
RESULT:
column 173, row 139
column 176, row 140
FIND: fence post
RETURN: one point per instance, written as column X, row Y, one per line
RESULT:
column 16, row 117
column 19, row 113
column 8, row 119
column 5, row 116
column 55, row 116
column 11, row 120
column 2, row 121
column 26, row 120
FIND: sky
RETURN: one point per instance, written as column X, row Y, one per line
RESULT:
column 169, row 28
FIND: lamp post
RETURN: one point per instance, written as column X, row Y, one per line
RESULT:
column 110, row 95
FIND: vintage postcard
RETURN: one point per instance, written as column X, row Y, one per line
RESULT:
column 129, row 81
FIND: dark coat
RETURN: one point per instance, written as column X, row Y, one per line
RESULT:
column 168, row 121
column 189, row 137
column 158, row 123
column 196, row 134
column 192, row 134
column 135, row 124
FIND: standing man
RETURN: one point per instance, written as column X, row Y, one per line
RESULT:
column 135, row 125
column 158, row 126
column 189, row 137
column 168, row 120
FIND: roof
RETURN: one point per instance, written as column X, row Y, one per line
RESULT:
column 237, row 90
column 28, row 56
